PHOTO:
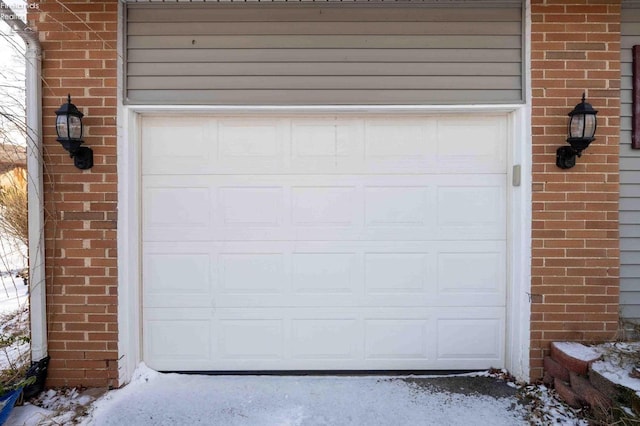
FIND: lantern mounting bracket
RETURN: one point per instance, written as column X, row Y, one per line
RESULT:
column 83, row 158
column 566, row 157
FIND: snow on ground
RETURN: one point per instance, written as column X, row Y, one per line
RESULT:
column 14, row 294
column 17, row 353
column 14, row 300
column 53, row 407
column 154, row 398
column 30, row 415
column 172, row 399
column 618, row 362
column 13, row 291
column 578, row 351
column 546, row 409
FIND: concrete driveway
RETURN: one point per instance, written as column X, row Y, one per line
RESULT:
column 172, row 399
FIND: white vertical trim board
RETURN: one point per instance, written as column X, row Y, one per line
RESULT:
column 519, row 309
column 129, row 327
column 129, row 331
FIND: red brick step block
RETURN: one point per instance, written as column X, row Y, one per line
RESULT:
column 617, row 386
column 599, row 402
column 567, row 394
column 555, row 370
column 574, row 356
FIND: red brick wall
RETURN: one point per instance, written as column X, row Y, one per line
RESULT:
column 79, row 43
column 575, row 253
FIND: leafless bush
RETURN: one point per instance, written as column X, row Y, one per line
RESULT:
column 14, row 324
column 14, row 348
column 13, row 205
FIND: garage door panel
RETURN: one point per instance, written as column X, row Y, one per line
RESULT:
column 473, row 144
column 251, row 273
column 360, row 274
column 395, row 273
column 323, row 145
column 331, row 338
column 397, row 206
column 250, row 339
column 178, row 278
column 323, row 273
column 468, row 209
column 260, row 143
column 385, row 143
column 470, row 338
column 468, row 272
column 179, row 275
column 341, row 300
column 393, row 339
column 325, row 206
column 187, row 207
column 250, row 206
column 313, row 242
column 189, row 344
column 186, row 147
column 284, row 208
column 326, row 145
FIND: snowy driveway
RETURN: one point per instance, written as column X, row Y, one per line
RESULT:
column 171, row 399
column 154, row 399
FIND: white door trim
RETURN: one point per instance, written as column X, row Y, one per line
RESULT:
column 129, row 214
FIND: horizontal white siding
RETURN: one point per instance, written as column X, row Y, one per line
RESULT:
column 254, row 54
column 629, row 174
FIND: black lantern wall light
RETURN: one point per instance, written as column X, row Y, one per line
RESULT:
column 69, row 130
column 582, row 128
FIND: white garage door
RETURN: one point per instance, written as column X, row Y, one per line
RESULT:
column 324, row 242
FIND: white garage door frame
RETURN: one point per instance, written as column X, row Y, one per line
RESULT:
column 518, row 233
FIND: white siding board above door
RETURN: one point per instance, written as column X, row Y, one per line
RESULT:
column 138, row 58
column 257, row 54
column 334, row 97
column 512, row 27
column 324, row 242
column 221, row 12
column 301, row 68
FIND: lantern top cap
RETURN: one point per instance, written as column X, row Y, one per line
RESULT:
column 583, row 108
column 69, row 109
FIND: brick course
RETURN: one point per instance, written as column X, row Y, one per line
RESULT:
column 575, row 247
column 79, row 43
